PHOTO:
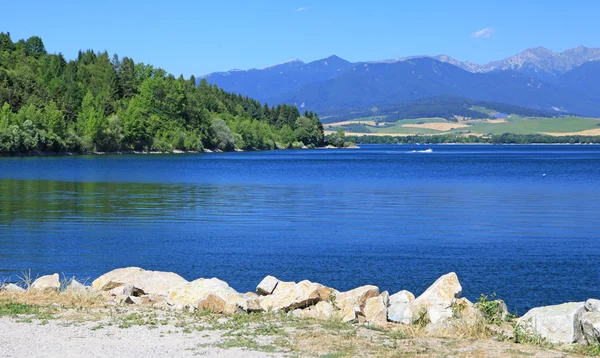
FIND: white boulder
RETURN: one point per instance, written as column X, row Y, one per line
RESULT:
column 323, row 310
column 12, row 288
column 352, row 303
column 437, row 301
column 592, row 305
column 558, row 324
column 290, row 296
column 376, row 309
column 398, row 307
column 149, row 282
column 47, row 283
column 267, row 285
column 212, row 294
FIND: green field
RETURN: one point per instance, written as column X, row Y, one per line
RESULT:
column 513, row 124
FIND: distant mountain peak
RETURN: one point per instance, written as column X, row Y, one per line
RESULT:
column 532, row 78
column 288, row 62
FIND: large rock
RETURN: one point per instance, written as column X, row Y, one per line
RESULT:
column 251, row 302
column 267, row 285
column 470, row 314
column 398, row 307
column 352, row 303
column 126, row 291
column 47, row 283
column 437, row 301
column 213, row 294
column 12, row 288
column 376, row 309
column 76, row 286
column 590, row 325
column 290, row 296
column 592, row 305
column 323, row 310
column 218, row 304
column 150, row 282
column 558, row 324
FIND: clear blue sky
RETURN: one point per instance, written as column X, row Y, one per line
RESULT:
column 198, row 37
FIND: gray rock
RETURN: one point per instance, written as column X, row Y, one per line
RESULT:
column 76, row 286
column 592, row 305
column 12, row 288
column 126, row 290
column 558, row 324
column 47, row 283
column 590, row 324
column 132, row 300
column 267, row 285
column 385, row 295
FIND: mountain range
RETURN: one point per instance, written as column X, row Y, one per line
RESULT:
column 536, row 78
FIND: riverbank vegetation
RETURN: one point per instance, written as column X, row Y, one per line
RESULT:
column 103, row 103
column 494, row 139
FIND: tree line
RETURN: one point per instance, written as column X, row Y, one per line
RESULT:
column 103, row 103
column 494, row 139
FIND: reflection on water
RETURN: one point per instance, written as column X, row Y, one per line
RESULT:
column 399, row 225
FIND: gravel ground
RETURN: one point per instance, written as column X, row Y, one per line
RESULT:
column 58, row 339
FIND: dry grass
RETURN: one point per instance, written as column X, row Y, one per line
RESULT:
column 66, row 299
column 286, row 334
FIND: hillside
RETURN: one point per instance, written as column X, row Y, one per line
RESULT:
column 278, row 80
column 376, row 84
column 102, row 103
column 447, row 107
column 584, row 79
column 531, row 79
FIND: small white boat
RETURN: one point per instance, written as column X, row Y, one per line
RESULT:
column 428, row 150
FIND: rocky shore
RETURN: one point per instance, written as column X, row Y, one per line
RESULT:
column 440, row 307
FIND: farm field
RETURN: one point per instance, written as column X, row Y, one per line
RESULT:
column 514, row 124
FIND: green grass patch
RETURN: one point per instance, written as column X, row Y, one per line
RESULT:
column 247, row 343
column 587, row 350
column 518, row 125
column 138, row 319
column 13, row 309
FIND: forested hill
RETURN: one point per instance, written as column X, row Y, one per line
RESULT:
column 103, row 103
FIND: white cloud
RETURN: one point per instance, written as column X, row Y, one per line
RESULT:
column 483, row 33
column 303, row 8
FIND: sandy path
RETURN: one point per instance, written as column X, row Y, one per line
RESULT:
column 57, row 339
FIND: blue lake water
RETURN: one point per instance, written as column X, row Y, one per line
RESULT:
column 521, row 221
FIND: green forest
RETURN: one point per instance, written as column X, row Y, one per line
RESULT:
column 103, row 103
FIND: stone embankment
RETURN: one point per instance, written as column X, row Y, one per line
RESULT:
column 438, row 306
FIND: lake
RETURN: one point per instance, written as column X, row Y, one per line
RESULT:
column 521, row 221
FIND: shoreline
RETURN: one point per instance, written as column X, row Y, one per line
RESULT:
column 133, row 296
column 135, row 152
column 358, row 146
